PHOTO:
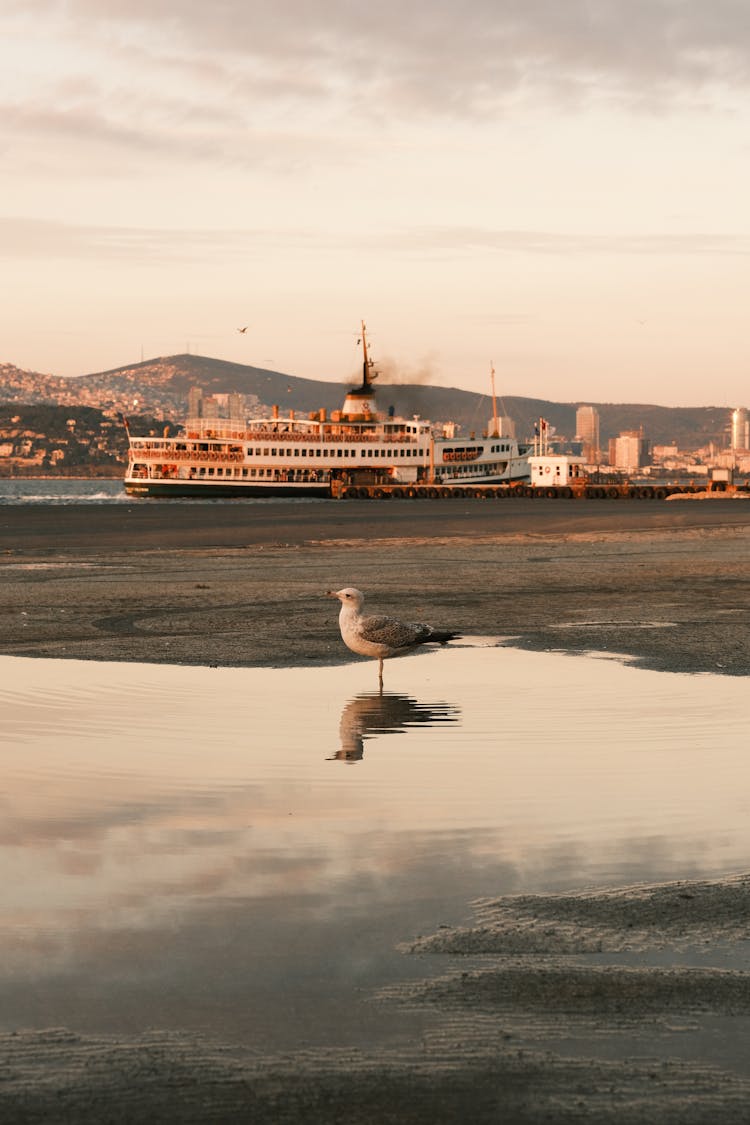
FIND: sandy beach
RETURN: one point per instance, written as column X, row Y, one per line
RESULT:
column 664, row 585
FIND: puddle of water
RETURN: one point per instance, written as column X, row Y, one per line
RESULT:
column 238, row 851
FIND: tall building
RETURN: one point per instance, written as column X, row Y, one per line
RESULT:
column 628, row 451
column 587, row 432
column 210, row 408
column 740, row 429
column 195, row 397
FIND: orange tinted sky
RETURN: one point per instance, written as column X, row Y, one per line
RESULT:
column 558, row 189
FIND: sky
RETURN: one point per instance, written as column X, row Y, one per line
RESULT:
column 556, row 189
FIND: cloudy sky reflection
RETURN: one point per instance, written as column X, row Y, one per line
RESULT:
column 204, row 859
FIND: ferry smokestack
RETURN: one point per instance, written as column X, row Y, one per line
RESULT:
column 275, row 410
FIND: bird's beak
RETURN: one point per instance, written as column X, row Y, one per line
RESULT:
column 331, row 594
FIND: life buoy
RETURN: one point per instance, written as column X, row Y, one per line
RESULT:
column 546, row 468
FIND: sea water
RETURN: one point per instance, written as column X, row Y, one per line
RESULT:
column 239, row 851
column 60, row 490
column 102, row 490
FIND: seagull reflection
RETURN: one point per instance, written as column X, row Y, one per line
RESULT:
column 373, row 713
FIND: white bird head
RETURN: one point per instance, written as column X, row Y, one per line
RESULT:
column 348, row 596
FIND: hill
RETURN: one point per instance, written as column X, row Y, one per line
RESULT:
column 159, row 387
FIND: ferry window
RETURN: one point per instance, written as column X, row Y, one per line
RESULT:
column 273, row 452
column 338, row 452
column 289, row 453
column 303, row 453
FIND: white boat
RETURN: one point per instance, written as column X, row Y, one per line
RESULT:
column 318, row 455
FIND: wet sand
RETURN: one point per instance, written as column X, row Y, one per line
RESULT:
column 666, row 585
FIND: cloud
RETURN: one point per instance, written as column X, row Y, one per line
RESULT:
column 472, row 239
column 48, row 239
column 430, row 56
column 22, row 237
column 107, row 84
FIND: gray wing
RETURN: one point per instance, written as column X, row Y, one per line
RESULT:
column 389, row 631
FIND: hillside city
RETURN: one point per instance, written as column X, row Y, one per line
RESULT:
column 50, row 425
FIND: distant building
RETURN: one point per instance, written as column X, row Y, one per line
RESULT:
column 220, row 405
column 665, row 452
column 628, row 451
column 587, row 432
column 195, row 398
column 209, row 407
column 740, row 434
column 236, row 407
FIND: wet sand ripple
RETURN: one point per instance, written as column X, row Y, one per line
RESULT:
column 624, row 919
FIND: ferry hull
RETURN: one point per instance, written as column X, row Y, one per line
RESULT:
column 212, row 490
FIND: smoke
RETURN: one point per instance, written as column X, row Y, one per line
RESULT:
column 391, row 371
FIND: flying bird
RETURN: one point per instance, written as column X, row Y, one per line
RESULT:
column 378, row 636
column 243, row 329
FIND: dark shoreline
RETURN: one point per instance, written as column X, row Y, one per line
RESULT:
column 138, row 525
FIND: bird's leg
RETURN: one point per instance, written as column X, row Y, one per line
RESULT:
column 380, row 674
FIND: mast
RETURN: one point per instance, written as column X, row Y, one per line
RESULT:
column 495, row 427
column 367, row 373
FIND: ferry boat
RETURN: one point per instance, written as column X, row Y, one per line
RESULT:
column 318, row 455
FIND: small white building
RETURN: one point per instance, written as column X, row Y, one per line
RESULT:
column 556, row 470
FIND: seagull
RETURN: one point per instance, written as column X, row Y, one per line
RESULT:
column 243, row 329
column 381, row 637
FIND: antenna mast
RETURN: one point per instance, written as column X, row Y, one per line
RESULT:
column 495, row 425
column 367, row 363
